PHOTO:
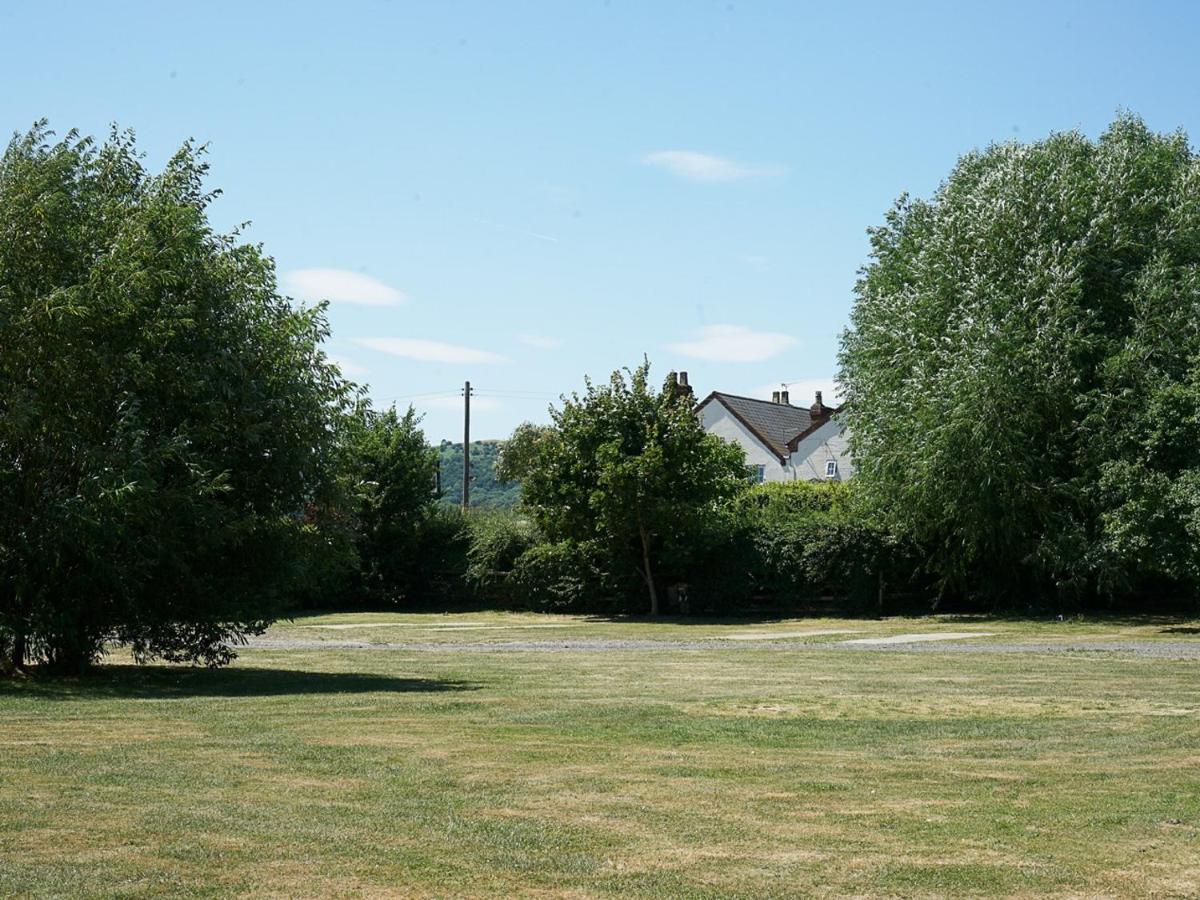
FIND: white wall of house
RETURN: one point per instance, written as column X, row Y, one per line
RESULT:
column 813, row 454
column 719, row 421
column 809, row 462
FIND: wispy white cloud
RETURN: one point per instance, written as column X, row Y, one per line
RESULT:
column 704, row 167
column 478, row 404
column 349, row 367
column 541, row 341
column 430, row 351
column 733, row 343
column 341, row 286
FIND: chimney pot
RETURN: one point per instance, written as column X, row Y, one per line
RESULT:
column 819, row 403
column 774, row 396
column 683, row 379
column 783, row 398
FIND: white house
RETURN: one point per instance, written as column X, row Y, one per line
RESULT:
column 782, row 442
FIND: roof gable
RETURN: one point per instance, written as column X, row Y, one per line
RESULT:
column 774, row 424
column 814, row 424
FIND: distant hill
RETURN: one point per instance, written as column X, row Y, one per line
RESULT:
column 486, row 490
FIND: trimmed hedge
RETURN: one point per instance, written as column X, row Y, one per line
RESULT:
column 786, row 548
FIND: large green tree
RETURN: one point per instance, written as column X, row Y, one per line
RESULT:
column 397, row 496
column 1022, row 368
column 627, row 468
column 368, row 541
column 166, row 415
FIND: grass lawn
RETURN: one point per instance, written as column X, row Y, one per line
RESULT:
column 721, row 771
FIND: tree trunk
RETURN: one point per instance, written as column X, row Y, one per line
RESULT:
column 72, row 653
column 18, row 651
column 646, row 573
column 12, row 654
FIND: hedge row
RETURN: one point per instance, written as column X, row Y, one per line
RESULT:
column 784, row 547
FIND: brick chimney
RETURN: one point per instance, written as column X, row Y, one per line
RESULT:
column 678, row 385
column 783, row 398
column 819, row 411
column 774, row 396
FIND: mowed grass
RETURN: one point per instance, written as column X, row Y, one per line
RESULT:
column 504, row 627
column 716, row 772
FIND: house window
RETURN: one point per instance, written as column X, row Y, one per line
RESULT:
column 831, row 468
column 758, row 474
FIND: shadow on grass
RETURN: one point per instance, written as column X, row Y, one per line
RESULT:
column 1181, row 629
column 175, row 683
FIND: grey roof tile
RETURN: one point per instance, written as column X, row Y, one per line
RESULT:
column 774, row 423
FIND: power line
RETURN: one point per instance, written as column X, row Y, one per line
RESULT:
column 519, row 395
column 415, row 396
column 492, row 392
column 514, row 391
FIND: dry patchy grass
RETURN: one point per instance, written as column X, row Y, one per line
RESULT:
column 743, row 772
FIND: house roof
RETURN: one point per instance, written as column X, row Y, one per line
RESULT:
column 814, row 424
column 774, row 424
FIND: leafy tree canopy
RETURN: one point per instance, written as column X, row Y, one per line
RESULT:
column 397, row 470
column 628, row 468
column 165, row 415
column 1021, row 368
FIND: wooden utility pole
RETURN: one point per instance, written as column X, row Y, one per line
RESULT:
column 466, row 504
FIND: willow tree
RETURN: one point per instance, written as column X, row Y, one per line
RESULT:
column 165, row 414
column 1022, row 368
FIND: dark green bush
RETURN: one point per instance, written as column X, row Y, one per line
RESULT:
column 495, row 541
column 780, row 547
column 796, row 546
column 562, row 577
column 722, row 566
column 330, row 568
column 822, row 559
column 439, row 568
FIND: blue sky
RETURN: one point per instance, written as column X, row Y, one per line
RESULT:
column 524, row 193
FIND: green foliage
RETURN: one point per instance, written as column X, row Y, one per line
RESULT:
column 165, row 415
column 629, row 470
column 396, row 496
column 785, row 547
column 384, row 541
column 441, row 560
column 488, row 491
column 782, row 504
column 496, row 540
column 791, row 546
column 1021, row 367
column 564, row 576
column 724, row 575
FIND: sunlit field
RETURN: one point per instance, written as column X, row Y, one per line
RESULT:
column 493, row 754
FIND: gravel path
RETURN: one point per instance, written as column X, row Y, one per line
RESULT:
column 1150, row 649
